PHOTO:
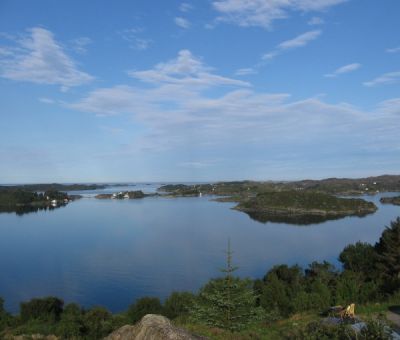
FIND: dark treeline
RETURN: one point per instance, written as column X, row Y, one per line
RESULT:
column 371, row 273
column 52, row 187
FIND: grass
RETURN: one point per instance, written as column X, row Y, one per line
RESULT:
column 257, row 331
column 277, row 329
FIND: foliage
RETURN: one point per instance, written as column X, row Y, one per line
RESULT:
column 71, row 323
column 318, row 331
column 375, row 329
column 45, row 309
column 143, row 306
column 97, row 323
column 178, row 304
column 388, row 250
column 361, row 258
column 228, row 302
column 293, row 201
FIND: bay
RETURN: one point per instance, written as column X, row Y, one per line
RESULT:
column 111, row 252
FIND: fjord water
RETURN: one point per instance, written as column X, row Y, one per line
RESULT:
column 111, row 252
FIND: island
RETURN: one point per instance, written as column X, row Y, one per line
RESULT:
column 301, row 207
column 21, row 201
column 125, row 195
column 390, row 200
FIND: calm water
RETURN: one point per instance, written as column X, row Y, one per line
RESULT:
column 110, row 252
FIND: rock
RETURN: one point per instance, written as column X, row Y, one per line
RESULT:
column 152, row 327
column 31, row 337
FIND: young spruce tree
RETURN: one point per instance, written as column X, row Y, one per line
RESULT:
column 227, row 302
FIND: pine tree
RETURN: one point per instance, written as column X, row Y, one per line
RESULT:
column 388, row 249
column 228, row 302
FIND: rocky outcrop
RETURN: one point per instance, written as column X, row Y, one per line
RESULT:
column 152, row 327
column 31, row 337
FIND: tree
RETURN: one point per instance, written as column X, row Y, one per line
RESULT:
column 45, row 309
column 97, row 323
column 143, row 306
column 178, row 304
column 281, row 286
column 2, row 311
column 228, row 302
column 388, row 249
column 360, row 257
column 71, row 324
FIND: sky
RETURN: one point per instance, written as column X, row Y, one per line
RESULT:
column 201, row 90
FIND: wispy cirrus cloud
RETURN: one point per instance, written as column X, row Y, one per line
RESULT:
column 185, row 7
column 182, row 22
column 135, row 39
column 80, row 44
column 245, row 71
column 393, row 50
column 38, row 58
column 314, row 21
column 384, row 79
column 299, row 41
column 263, row 13
column 343, row 69
column 186, row 69
column 179, row 112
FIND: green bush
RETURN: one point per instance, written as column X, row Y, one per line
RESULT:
column 319, row 331
column 143, row 306
column 45, row 309
column 71, row 323
column 178, row 304
column 97, row 323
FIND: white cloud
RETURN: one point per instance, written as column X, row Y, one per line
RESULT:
column 186, row 70
column 384, row 79
column 245, row 71
column 314, row 21
column 393, row 50
column 344, row 69
column 134, row 38
column 185, row 7
column 391, row 106
column 38, row 58
column 198, row 164
column 182, row 22
column 80, row 44
column 47, row 100
column 299, row 41
column 179, row 112
column 263, row 12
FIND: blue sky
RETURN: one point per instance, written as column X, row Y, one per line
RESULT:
column 203, row 90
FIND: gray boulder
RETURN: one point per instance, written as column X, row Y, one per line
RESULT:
column 152, row 327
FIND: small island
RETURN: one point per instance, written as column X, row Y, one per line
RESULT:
column 390, row 200
column 302, row 207
column 124, row 195
column 21, row 201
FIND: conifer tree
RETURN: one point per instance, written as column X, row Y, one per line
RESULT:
column 227, row 302
column 388, row 249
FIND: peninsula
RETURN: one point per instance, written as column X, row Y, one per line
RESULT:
column 391, row 200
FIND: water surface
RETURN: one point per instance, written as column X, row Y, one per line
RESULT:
column 111, row 252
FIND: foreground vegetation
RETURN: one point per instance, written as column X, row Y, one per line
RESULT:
column 286, row 303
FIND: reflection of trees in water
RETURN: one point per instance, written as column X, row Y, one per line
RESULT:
column 264, row 217
column 26, row 209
